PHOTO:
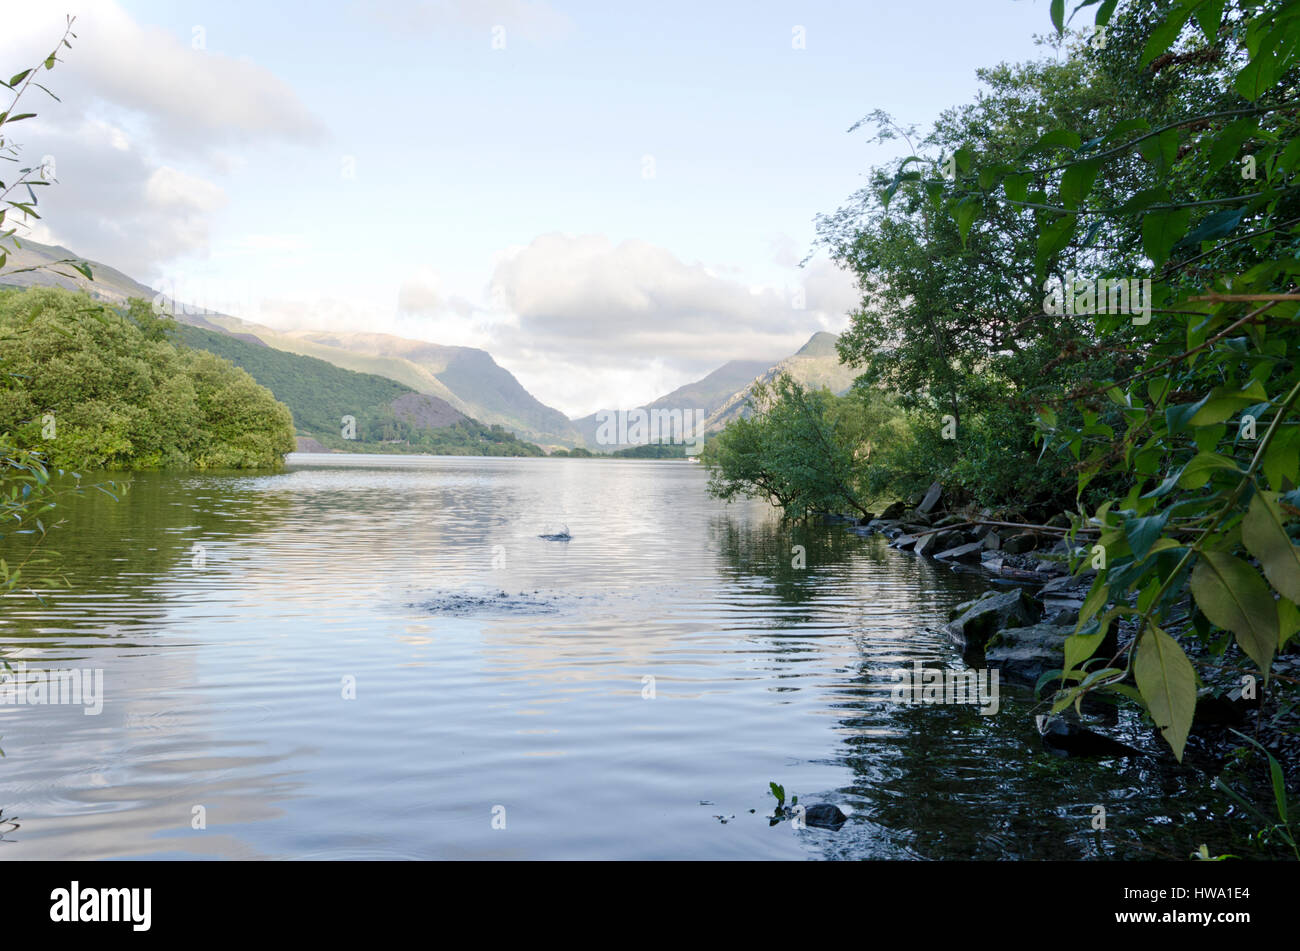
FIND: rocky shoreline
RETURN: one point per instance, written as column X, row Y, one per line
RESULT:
column 1019, row 625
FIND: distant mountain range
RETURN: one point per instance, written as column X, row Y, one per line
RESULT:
column 461, row 381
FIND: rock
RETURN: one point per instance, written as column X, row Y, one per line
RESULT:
column 1069, row 586
column 1050, row 569
column 992, row 541
column 893, row 511
column 1061, row 612
column 935, row 542
column 967, row 605
column 1063, row 738
column 973, row 628
column 950, row 520
column 824, row 816
column 931, row 498
column 866, row 519
column 903, row 542
column 968, row 553
column 1024, row 654
column 1059, row 520
column 1019, row 544
column 1227, row 709
column 917, row 518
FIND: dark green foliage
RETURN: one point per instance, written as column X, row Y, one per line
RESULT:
column 87, row 388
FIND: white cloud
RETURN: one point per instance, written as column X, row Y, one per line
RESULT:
column 643, row 320
column 139, row 110
column 112, row 204
column 190, row 100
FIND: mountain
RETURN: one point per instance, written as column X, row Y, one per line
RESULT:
column 467, row 379
column 816, row 365
column 724, row 393
column 385, row 414
column 706, row 394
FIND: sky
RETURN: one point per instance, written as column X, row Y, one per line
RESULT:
column 611, row 198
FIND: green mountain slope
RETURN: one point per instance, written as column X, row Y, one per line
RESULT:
column 389, row 416
column 467, row 378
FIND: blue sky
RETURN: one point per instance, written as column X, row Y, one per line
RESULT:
column 498, row 197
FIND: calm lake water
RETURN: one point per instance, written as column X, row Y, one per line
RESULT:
column 502, row 677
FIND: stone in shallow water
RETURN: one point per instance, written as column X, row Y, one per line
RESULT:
column 1064, row 738
column 825, row 816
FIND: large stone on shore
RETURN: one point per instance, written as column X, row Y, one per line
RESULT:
column 948, row 520
column 1069, row 586
column 988, row 615
column 1024, row 654
column 918, row 518
column 936, row 542
column 967, row 554
column 931, row 498
column 894, row 510
column 1019, row 544
column 991, row 540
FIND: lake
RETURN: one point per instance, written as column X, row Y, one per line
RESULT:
column 377, row 657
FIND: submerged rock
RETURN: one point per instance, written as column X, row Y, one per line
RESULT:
column 825, row 816
column 1064, row 738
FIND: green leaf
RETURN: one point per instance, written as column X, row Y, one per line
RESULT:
column 1160, row 150
column 1216, row 226
column 1197, row 472
column 1143, row 532
column 1057, row 138
column 1288, row 621
column 1234, row 597
column 1167, row 682
column 1016, row 187
column 1093, row 602
column 1079, row 647
column 1164, row 35
column 1208, row 17
column 1077, row 182
column 1265, row 537
column 1161, row 229
column 1227, row 143
column 965, row 215
column 1058, row 15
